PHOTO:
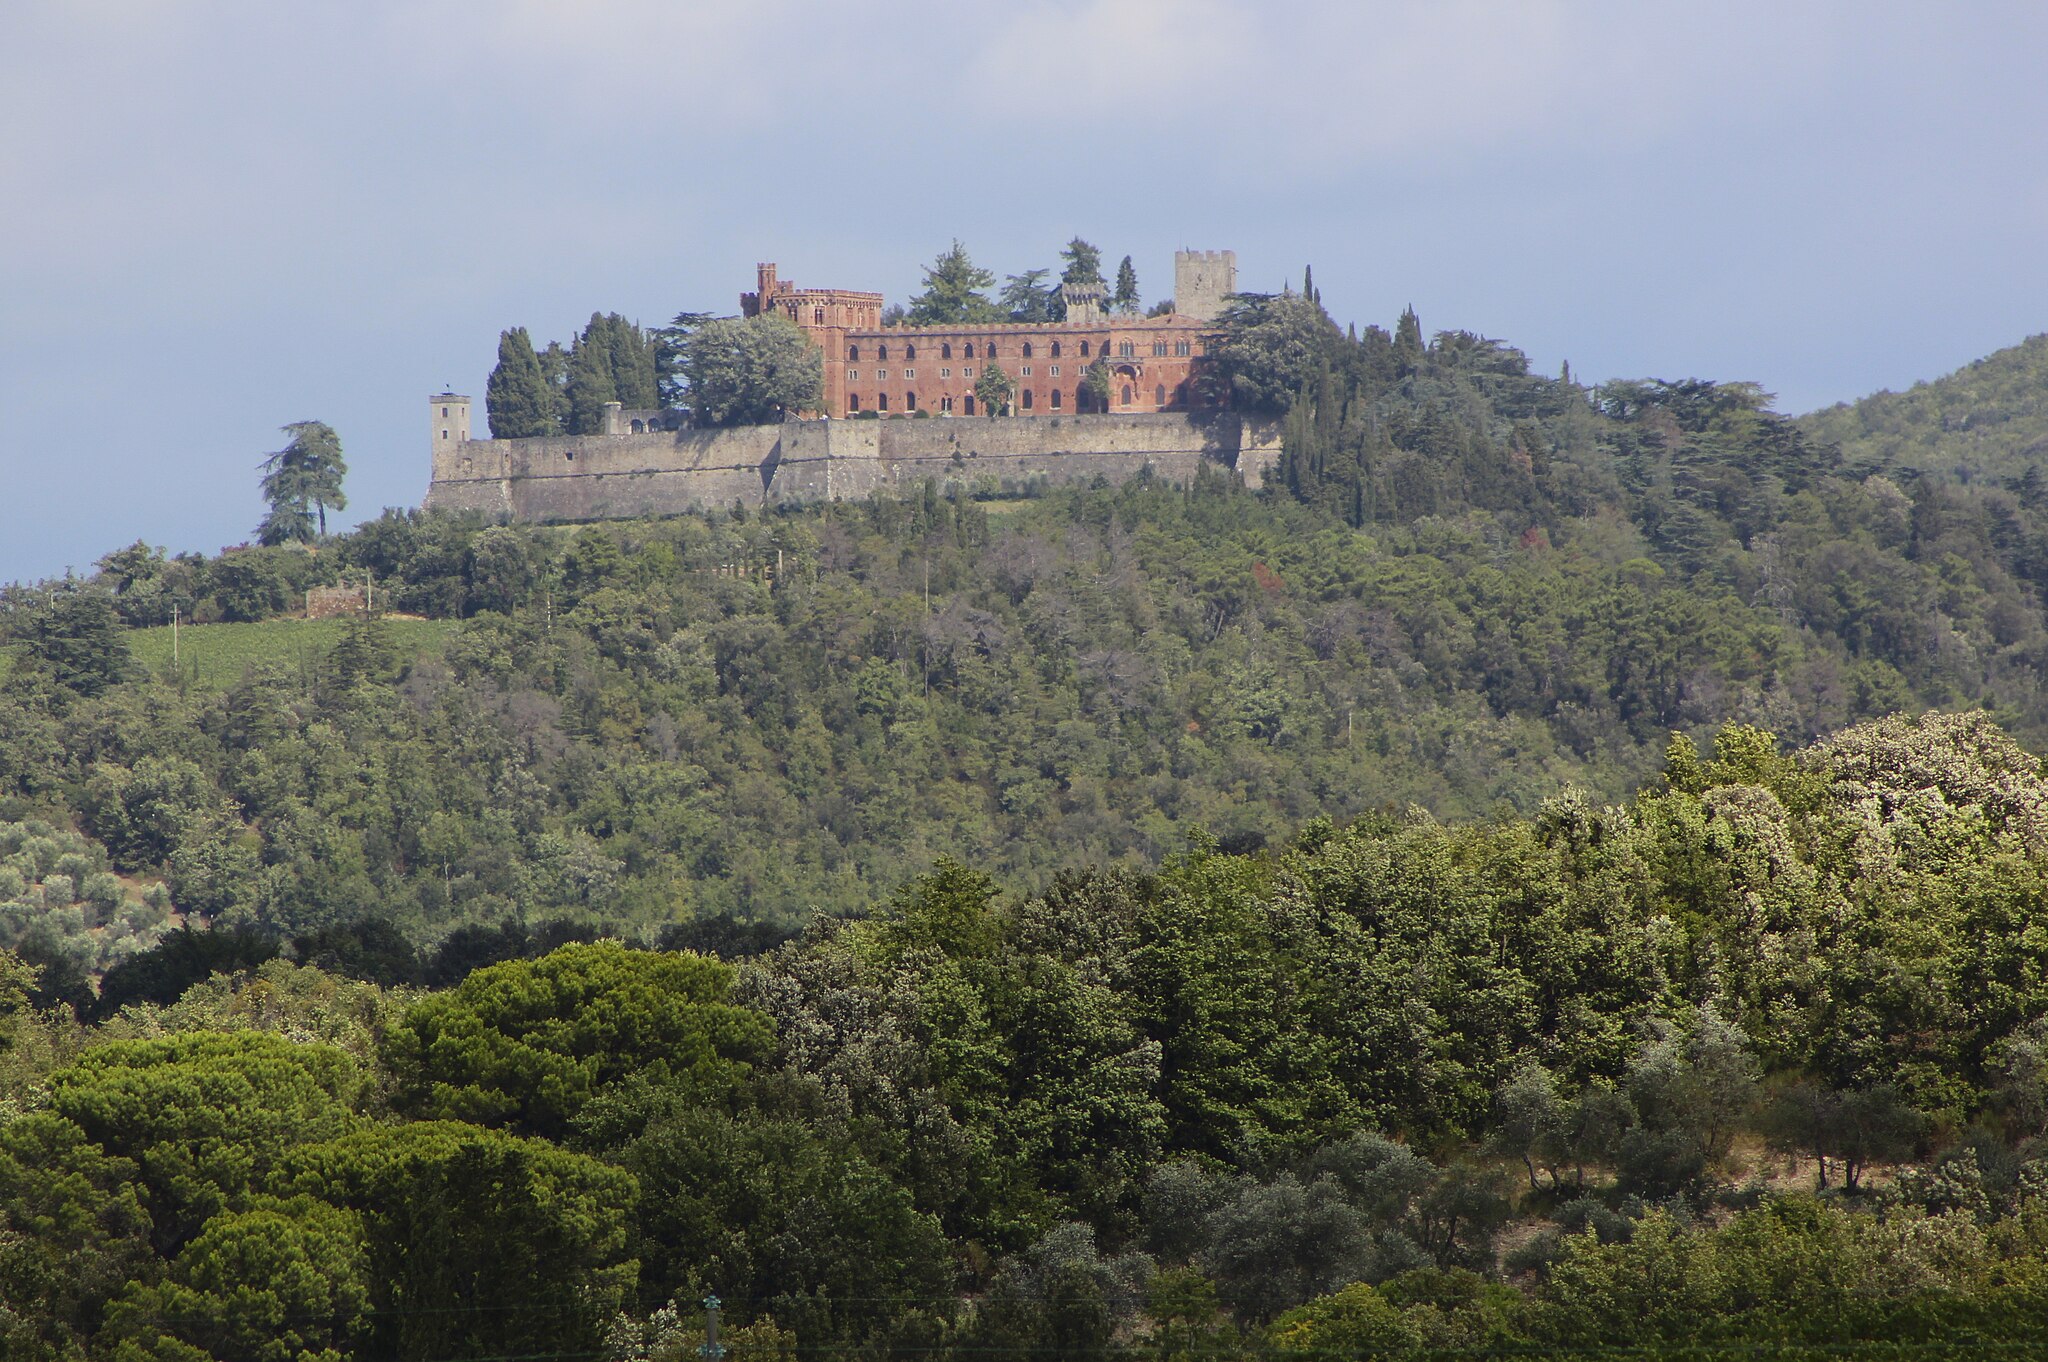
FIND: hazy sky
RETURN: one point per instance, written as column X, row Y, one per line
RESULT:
column 216, row 218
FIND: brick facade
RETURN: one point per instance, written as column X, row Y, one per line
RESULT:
column 1155, row 363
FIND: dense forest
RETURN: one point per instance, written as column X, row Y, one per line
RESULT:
column 1987, row 421
column 1557, row 869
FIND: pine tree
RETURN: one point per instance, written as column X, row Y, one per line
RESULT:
column 300, row 482
column 590, row 379
column 1084, row 263
column 516, row 401
column 952, row 292
column 1126, row 296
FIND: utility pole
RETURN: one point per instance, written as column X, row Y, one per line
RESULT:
column 711, row 1350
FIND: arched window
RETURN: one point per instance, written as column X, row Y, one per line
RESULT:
column 1055, row 399
column 1055, row 349
column 882, row 401
column 970, row 350
column 1027, row 349
column 909, row 351
column 1027, row 399
column 639, row 426
column 1159, row 396
column 1127, row 395
column 818, row 316
column 852, row 353
column 1159, row 348
column 968, row 404
column 881, row 352
column 1124, row 349
column 945, row 349
column 910, row 401
column 1084, row 349
column 852, row 402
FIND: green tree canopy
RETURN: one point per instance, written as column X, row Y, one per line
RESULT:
column 479, row 1243
column 1273, row 348
column 750, row 372
column 953, row 293
column 205, row 1116
column 533, row 1041
column 516, row 400
column 1125, row 296
column 300, row 482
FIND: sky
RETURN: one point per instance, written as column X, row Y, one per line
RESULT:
column 217, row 218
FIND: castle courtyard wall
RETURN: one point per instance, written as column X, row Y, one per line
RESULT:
column 666, row 473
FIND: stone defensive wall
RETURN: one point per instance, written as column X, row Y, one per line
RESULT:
column 596, row 477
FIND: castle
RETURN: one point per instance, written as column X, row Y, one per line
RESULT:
column 1156, row 415
column 1152, row 362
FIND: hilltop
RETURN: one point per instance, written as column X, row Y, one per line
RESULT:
column 1987, row 420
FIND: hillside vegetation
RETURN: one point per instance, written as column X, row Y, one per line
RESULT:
column 1987, row 421
column 1559, row 870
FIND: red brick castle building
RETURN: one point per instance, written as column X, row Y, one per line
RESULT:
column 1153, row 363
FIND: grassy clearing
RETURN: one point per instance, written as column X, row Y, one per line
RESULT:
column 216, row 655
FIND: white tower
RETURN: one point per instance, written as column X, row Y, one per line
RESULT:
column 448, row 422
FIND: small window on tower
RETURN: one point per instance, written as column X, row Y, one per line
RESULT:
column 818, row 316
column 444, row 413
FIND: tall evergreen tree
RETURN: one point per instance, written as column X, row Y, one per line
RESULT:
column 1027, row 298
column 516, row 400
column 1408, row 347
column 590, row 379
column 554, row 373
column 632, row 363
column 1126, row 295
column 1084, row 263
column 952, row 292
column 300, row 482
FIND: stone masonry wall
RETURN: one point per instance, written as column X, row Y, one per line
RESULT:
column 599, row 477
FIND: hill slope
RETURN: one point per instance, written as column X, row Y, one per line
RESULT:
column 1988, row 419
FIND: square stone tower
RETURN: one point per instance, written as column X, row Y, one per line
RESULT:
column 1201, row 281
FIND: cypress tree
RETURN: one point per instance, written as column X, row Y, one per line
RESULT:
column 516, row 399
column 590, row 379
column 1408, row 341
column 1126, row 296
column 632, row 363
column 554, row 376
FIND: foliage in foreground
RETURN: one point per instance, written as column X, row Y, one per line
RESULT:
column 1397, row 1085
